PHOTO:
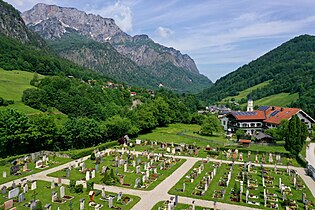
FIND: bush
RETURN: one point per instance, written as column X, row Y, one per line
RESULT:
column 79, row 188
column 72, row 186
column 93, row 157
column 39, row 205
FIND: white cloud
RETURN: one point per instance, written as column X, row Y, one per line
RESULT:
column 121, row 13
column 164, row 32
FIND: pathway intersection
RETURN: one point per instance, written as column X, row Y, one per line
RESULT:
column 160, row 192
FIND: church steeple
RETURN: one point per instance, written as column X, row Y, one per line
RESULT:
column 250, row 104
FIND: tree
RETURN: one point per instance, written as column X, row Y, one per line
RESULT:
column 240, row 133
column 211, row 124
column 295, row 136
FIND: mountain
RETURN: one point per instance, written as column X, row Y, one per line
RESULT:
column 289, row 68
column 154, row 63
column 22, row 49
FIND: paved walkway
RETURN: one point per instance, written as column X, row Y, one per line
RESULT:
column 310, row 154
column 159, row 193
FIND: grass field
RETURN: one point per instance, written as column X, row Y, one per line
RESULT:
column 12, row 85
column 244, row 93
column 44, row 192
column 281, row 99
column 183, row 133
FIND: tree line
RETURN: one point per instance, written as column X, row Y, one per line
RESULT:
column 95, row 115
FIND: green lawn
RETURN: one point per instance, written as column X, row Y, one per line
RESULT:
column 183, row 133
column 44, row 192
column 12, row 85
column 31, row 166
column 129, row 177
column 255, row 178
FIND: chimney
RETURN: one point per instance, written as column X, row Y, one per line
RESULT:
column 282, row 109
column 273, row 108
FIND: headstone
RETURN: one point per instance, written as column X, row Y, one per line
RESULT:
column 176, row 200
column 13, row 185
column 184, row 187
column 54, row 196
column 21, row 197
column 96, row 167
column 303, row 198
column 134, row 163
column 68, row 174
column 4, row 190
column 125, row 167
column 110, row 202
column 13, row 193
column 34, row 185
column 82, row 203
column 119, row 196
column 25, row 188
column 93, row 174
column 138, row 169
column 103, row 192
column 39, row 164
column 8, row 204
column 144, row 179
column 62, row 191
column 137, row 182
column 4, row 174
column 14, row 169
column 87, row 175
column 138, row 141
column 52, row 186
column 48, row 207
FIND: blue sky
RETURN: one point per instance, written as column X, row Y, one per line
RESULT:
column 220, row 35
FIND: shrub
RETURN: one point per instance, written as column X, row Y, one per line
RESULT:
column 79, row 188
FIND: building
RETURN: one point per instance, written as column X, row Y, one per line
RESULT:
column 265, row 117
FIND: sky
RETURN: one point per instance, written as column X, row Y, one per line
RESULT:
column 220, row 35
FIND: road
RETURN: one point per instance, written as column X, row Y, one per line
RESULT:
column 310, row 154
column 160, row 192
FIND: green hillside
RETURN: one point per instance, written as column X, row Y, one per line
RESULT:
column 281, row 99
column 290, row 68
column 12, row 85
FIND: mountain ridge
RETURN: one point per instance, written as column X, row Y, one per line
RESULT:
column 53, row 22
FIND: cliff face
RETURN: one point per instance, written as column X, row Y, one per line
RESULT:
column 53, row 23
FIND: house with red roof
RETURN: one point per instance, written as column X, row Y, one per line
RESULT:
column 265, row 117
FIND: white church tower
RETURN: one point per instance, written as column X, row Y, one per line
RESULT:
column 250, row 104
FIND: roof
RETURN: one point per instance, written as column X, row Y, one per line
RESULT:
column 274, row 115
column 255, row 115
column 262, row 135
column 267, row 114
column 246, row 141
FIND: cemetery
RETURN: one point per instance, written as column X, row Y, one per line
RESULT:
column 30, row 164
column 51, row 196
column 124, row 169
column 245, row 184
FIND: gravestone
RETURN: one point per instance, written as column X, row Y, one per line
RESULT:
column 138, row 169
column 93, row 174
column 39, row 164
column 137, row 182
column 68, row 174
column 87, row 175
column 13, row 193
column 110, row 202
column 14, row 169
column 52, row 186
column 54, row 196
column 4, row 174
column 21, row 197
column 25, row 188
column 125, row 167
column 119, row 196
column 4, row 190
column 48, row 207
column 96, row 167
column 103, row 192
column 134, row 163
column 184, row 187
column 8, row 204
column 82, row 203
column 62, row 191
column 34, row 185
column 13, row 185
